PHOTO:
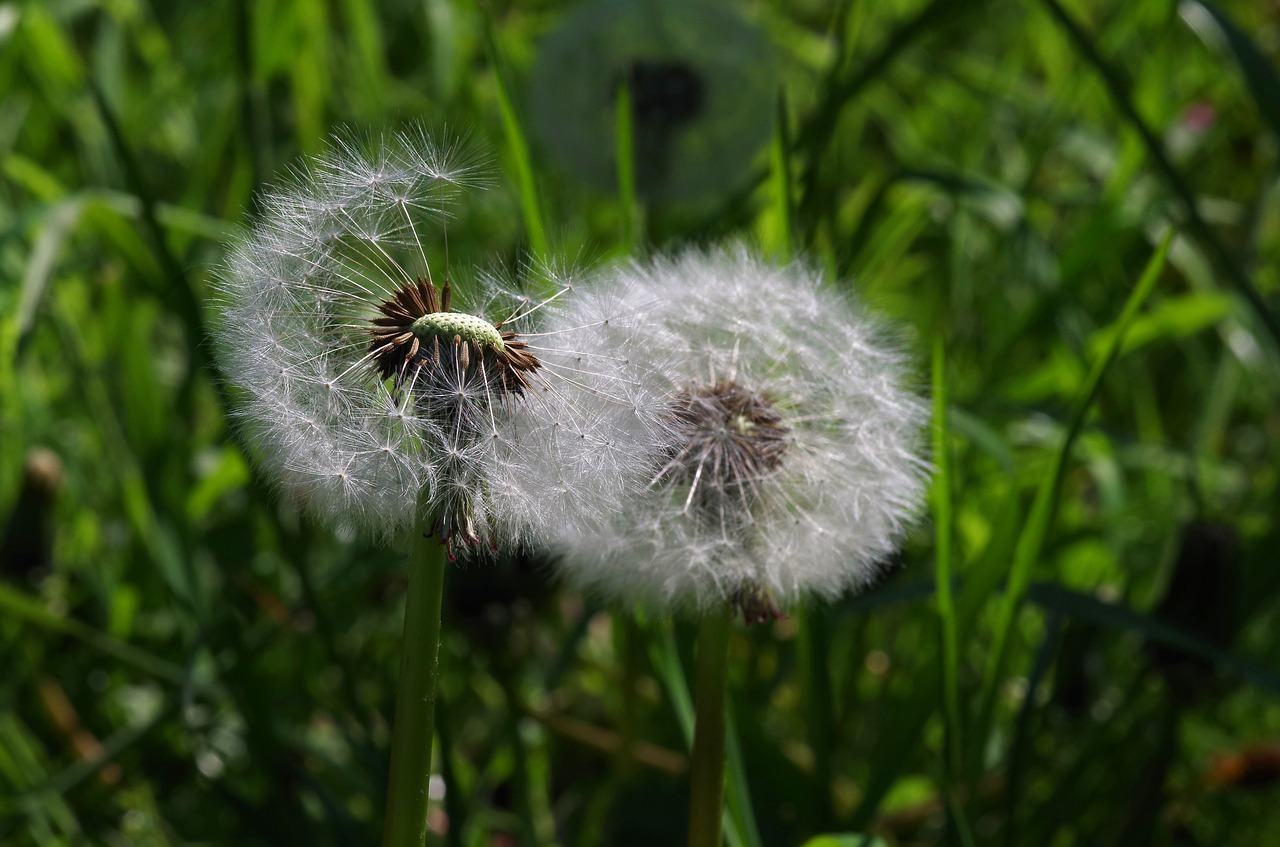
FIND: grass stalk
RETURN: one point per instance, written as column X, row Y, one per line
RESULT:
column 518, row 148
column 943, row 570
column 706, row 768
column 406, row 821
column 780, row 163
column 1036, row 529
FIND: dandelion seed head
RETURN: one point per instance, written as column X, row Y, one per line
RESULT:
column 378, row 389
column 790, row 464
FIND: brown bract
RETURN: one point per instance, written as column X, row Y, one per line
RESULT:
column 730, row 438
column 400, row 351
column 456, row 368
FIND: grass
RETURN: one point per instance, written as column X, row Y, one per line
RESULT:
column 1076, row 645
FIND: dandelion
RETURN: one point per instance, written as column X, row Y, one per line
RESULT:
column 793, row 462
column 791, row 467
column 376, row 393
column 700, row 116
column 379, row 397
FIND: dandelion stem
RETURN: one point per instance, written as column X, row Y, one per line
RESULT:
column 706, row 771
column 406, row 823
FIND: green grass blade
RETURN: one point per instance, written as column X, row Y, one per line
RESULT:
column 1018, row 748
column 737, row 792
column 16, row 604
column 665, row 657
column 1081, row 606
column 59, row 222
column 783, row 182
column 819, row 131
column 23, row 765
column 517, row 148
column 176, row 282
column 943, row 565
column 1036, row 529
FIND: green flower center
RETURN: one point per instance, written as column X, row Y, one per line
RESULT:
column 450, row 325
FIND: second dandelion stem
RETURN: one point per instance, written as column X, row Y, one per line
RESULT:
column 406, row 822
column 706, row 771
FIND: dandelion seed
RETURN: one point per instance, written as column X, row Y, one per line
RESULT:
column 792, row 463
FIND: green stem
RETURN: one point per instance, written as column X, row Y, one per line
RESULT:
column 811, row 644
column 406, row 823
column 706, row 770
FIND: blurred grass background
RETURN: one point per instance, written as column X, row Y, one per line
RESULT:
column 186, row 661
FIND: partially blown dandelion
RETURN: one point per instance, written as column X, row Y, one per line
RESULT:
column 792, row 464
column 377, row 403
column 375, row 400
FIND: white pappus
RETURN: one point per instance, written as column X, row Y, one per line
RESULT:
column 379, row 394
column 793, row 461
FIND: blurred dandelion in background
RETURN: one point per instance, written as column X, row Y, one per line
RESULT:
column 700, row 116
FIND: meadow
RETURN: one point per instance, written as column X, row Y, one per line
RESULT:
column 1068, row 209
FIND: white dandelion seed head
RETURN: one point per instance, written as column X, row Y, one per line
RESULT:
column 792, row 464
column 376, row 391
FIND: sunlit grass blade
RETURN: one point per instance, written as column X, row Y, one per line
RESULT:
column 943, row 566
column 665, row 657
column 23, row 767
column 783, row 183
column 1018, row 748
column 517, row 147
column 1036, row 528
column 59, row 222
